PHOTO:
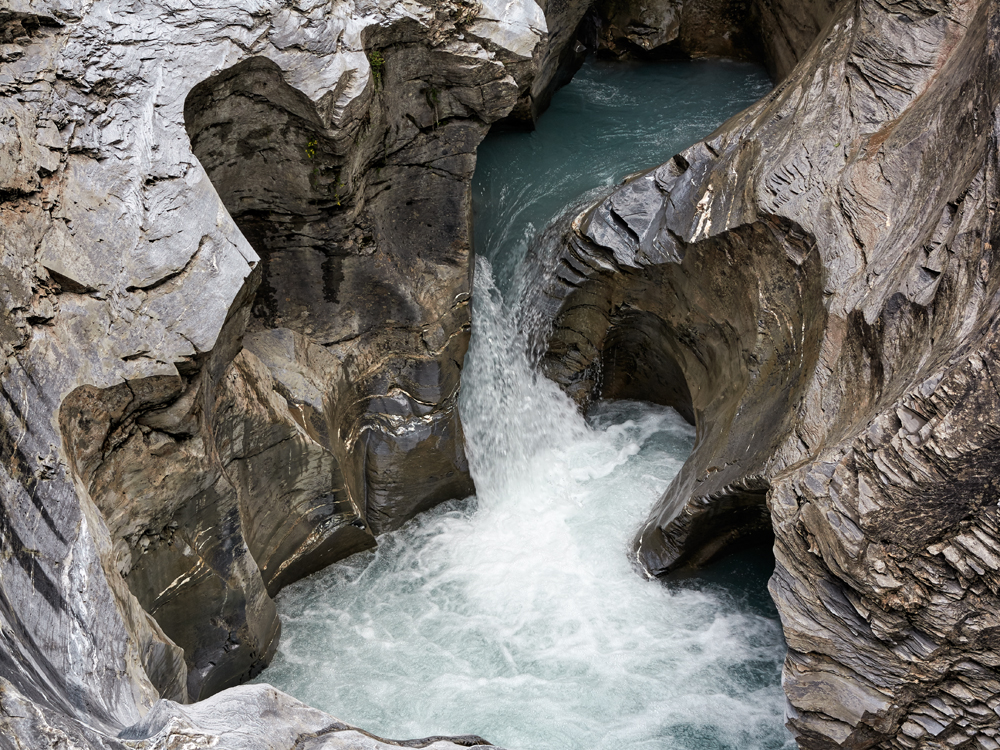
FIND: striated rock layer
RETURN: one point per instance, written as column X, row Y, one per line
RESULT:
column 235, row 282
column 816, row 285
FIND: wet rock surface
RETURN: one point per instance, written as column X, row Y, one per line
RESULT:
column 815, row 284
column 235, row 280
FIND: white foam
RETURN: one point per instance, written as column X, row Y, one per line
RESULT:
column 516, row 614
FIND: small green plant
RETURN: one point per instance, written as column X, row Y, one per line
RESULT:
column 377, row 60
column 311, row 147
column 466, row 12
column 432, row 100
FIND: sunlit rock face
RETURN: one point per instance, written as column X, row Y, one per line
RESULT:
column 235, row 280
column 816, row 285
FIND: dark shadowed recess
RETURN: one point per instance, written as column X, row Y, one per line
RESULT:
column 697, row 333
column 773, row 32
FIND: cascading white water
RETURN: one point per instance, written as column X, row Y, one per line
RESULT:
column 515, row 614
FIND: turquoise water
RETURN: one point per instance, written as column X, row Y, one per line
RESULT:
column 515, row 614
column 612, row 120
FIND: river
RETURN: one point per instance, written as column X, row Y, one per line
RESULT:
column 515, row 614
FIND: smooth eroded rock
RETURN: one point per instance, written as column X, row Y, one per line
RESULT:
column 816, row 283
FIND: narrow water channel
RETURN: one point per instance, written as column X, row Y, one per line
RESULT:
column 515, row 614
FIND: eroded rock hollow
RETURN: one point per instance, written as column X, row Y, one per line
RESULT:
column 815, row 285
column 235, row 281
column 236, row 285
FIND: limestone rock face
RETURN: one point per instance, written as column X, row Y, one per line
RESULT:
column 816, row 286
column 235, row 278
column 234, row 274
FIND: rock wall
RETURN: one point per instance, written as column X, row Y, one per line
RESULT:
column 711, row 28
column 816, row 284
column 235, row 283
column 235, row 277
column 787, row 28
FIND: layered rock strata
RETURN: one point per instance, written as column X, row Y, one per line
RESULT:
column 234, row 275
column 235, row 280
column 816, row 285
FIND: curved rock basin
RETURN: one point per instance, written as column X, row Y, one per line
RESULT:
column 516, row 614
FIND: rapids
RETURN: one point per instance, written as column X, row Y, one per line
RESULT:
column 516, row 614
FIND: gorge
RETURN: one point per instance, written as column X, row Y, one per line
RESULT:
column 516, row 614
column 236, row 281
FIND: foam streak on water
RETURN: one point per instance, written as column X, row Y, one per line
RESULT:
column 516, row 614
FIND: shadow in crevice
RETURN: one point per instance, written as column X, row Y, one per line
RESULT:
column 639, row 361
column 743, row 572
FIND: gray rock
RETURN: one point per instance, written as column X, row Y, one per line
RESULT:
column 235, row 282
column 258, row 717
column 160, row 481
column 815, row 285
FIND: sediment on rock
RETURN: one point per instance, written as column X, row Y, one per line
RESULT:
column 874, row 163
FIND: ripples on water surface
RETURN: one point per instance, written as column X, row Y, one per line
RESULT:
column 516, row 614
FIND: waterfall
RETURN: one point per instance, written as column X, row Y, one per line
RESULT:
column 515, row 614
